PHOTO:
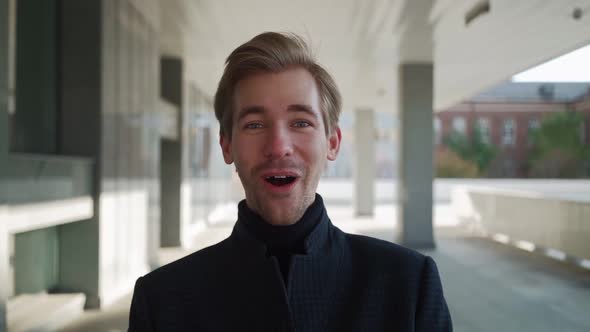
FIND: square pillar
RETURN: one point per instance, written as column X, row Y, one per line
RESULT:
column 364, row 171
column 5, row 248
column 171, row 88
column 415, row 162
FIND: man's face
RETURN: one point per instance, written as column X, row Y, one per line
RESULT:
column 278, row 143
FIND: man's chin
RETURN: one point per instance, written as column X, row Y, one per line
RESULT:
column 283, row 214
column 281, row 208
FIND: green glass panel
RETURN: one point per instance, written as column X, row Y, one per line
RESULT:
column 34, row 127
column 36, row 260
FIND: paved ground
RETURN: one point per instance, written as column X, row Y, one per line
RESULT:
column 488, row 286
column 493, row 287
column 386, row 190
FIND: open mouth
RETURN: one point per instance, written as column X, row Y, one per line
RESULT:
column 280, row 180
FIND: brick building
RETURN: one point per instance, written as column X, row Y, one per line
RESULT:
column 506, row 116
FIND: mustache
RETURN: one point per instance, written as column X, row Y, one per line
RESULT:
column 274, row 164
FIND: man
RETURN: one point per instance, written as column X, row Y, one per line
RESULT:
column 285, row 267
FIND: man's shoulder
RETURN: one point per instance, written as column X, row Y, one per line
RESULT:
column 189, row 268
column 383, row 252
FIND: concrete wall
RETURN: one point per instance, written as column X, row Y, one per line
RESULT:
column 129, row 145
column 98, row 194
column 207, row 182
column 108, row 93
column 545, row 220
column 37, row 191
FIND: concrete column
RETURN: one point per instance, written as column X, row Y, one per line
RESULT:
column 4, row 85
column 171, row 88
column 81, row 100
column 364, row 172
column 5, row 250
column 415, row 160
column 6, row 273
column 170, row 195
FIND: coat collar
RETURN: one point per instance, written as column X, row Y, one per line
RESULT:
column 313, row 243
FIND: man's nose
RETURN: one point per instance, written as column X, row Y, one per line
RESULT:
column 279, row 143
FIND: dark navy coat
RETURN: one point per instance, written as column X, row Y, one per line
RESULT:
column 342, row 282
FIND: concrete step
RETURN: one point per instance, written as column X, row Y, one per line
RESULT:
column 42, row 311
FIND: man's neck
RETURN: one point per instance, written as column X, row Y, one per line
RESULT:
column 283, row 236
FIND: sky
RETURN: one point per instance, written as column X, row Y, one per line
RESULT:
column 570, row 67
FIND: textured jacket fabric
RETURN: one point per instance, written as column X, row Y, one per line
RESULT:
column 342, row 282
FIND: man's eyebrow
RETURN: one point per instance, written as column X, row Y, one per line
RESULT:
column 291, row 108
column 249, row 110
column 302, row 108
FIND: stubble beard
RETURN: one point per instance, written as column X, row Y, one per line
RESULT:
column 280, row 215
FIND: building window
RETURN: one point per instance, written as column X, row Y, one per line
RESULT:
column 533, row 126
column 437, row 131
column 583, row 132
column 509, row 132
column 483, row 127
column 459, row 125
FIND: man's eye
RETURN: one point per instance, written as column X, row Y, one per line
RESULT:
column 253, row 126
column 301, row 124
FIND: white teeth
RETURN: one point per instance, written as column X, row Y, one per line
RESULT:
column 277, row 177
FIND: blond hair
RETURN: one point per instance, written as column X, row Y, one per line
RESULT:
column 273, row 52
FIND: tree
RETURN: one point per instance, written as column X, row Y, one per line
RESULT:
column 472, row 148
column 558, row 149
column 450, row 165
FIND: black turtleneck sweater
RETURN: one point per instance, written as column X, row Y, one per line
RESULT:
column 282, row 241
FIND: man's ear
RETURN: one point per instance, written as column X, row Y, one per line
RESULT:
column 334, row 143
column 225, row 143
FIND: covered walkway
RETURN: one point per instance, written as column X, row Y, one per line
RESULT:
column 489, row 286
column 109, row 162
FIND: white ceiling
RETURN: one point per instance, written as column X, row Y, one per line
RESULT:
column 512, row 37
column 355, row 40
column 361, row 41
